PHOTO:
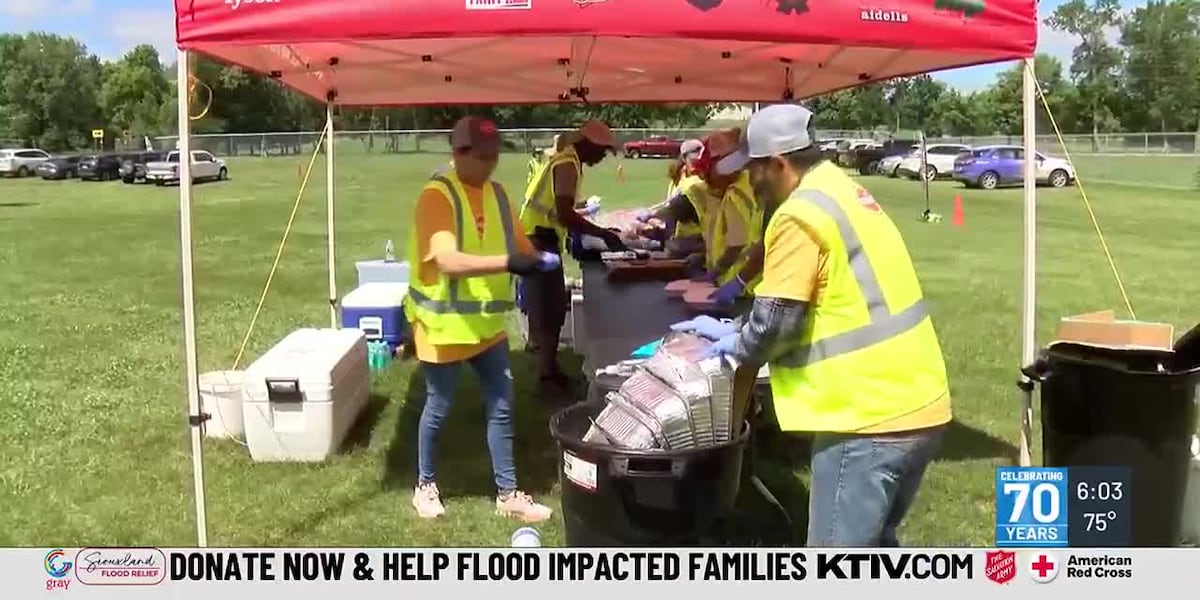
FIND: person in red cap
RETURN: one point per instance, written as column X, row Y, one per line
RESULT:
column 547, row 215
column 465, row 247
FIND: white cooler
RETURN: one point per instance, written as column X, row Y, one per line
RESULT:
column 302, row 396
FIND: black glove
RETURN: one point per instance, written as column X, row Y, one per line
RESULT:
column 614, row 241
column 523, row 264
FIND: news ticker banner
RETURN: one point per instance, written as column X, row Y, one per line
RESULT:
column 186, row 573
column 1078, row 507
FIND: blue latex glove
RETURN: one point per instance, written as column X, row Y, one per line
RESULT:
column 643, row 215
column 706, row 277
column 548, row 261
column 722, row 346
column 706, row 327
column 727, row 294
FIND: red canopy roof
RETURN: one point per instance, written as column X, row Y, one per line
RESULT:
column 386, row 52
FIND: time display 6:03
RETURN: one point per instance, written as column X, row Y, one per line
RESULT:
column 1103, row 490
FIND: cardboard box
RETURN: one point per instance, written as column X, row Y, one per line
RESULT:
column 1103, row 329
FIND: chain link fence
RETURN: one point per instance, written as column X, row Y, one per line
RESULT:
column 529, row 140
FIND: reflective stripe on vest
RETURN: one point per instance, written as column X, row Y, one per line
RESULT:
column 453, row 305
column 883, row 325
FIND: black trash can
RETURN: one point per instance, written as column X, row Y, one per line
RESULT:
column 1134, row 408
column 632, row 498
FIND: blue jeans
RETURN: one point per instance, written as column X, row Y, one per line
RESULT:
column 495, row 383
column 863, row 485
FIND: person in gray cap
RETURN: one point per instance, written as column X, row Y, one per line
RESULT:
column 840, row 319
column 465, row 246
column 680, row 218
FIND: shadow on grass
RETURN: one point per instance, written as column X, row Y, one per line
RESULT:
column 17, row 204
column 464, row 466
column 359, row 435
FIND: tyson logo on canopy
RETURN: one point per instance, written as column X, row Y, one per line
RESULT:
column 236, row 4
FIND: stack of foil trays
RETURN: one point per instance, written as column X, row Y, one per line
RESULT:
column 675, row 400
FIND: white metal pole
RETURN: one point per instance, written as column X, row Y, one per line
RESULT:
column 195, row 409
column 329, row 213
column 1029, row 270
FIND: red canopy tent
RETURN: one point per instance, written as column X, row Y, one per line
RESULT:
column 408, row 52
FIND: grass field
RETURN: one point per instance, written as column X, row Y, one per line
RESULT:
column 90, row 360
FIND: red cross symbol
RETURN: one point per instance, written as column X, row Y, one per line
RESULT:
column 1042, row 566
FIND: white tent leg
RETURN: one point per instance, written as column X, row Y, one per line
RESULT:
column 333, row 318
column 189, row 303
column 1029, row 270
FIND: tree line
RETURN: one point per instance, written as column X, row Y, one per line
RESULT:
column 54, row 93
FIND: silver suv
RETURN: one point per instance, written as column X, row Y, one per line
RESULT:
column 21, row 162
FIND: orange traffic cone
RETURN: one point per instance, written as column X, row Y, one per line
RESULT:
column 959, row 218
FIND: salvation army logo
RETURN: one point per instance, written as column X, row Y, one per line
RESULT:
column 1000, row 566
column 1042, row 566
column 868, row 201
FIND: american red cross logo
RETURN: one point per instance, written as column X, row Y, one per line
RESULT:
column 1043, row 566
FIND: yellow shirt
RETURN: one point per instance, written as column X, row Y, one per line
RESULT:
column 434, row 228
column 795, row 268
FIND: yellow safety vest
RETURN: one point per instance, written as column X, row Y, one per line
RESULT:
column 696, row 191
column 539, row 209
column 466, row 310
column 741, row 195
column 869, row 353
column 534, row 164
column 683, row 230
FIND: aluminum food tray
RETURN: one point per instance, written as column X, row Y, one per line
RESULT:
column 662, row 404
column 623, row 427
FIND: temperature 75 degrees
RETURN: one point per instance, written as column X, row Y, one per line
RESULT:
column 1098, row 521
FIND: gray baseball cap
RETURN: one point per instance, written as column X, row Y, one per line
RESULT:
column 772, row 131
column 690, row 148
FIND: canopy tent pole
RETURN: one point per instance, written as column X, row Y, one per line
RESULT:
column 195, row 410
column 1029, row 269
column 333, row 322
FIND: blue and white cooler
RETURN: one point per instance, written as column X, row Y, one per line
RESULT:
column 377, row 309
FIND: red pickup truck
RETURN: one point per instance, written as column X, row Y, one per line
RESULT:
column 655, row 145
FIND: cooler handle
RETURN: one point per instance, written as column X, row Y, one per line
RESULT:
column 649, row 467
column 372, row 327
column 284, row 390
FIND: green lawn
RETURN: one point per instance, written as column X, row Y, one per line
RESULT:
column 90, row 357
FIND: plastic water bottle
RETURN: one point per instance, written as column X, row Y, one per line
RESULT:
column 526, row 537
column 389, row 252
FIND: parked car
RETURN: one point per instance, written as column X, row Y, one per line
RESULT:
column 59, row 167
column 990, row 167
column 21, row 162
column 939, row 161
column 100, row 167
column 655, row 145
column 867, row 158
column 888, row 165
column 205, row 166
column 133, row 168
column 847, row 148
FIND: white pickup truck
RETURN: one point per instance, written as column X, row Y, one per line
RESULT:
column 205, row 167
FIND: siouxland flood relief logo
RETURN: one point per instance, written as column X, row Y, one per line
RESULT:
column 120, row 566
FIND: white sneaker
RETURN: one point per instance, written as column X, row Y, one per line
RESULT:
column 520, row 505
column 428, row 501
